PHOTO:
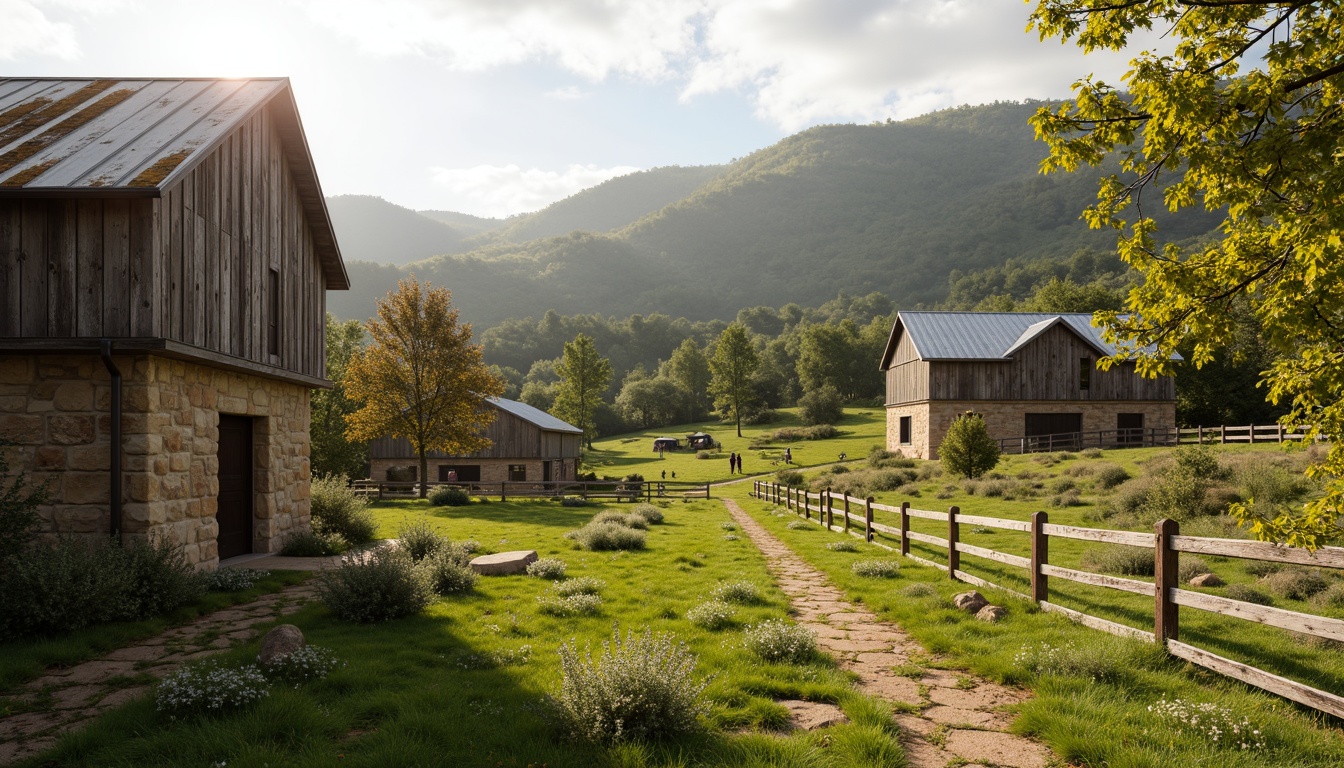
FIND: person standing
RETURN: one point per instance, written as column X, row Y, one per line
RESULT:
column 732, row 462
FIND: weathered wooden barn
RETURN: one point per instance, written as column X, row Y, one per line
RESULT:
column 526, row 445
column 165, row 252
column 1029, row 375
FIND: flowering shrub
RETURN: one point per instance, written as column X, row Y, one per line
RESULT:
column 583, row 585
column 210, row 687
column 711, row 614
column 570, row 605
column 1212, row 721
column 728, row 526
column 549, row 568
column 447, row 573
column 738, row 592
column 778, row 640
column 232, row 579
column 843, row 546
column 384, row 584
column 310, row 662
column 876, row 569
column 640, row 688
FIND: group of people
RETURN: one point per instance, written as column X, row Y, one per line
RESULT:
column 735, row 463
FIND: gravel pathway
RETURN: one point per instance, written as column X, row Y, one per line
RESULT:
column 960, row 720
column 65, row 699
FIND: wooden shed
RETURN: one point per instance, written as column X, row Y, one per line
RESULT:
column 165, row 252
column 526, row 445
column 1029, row 374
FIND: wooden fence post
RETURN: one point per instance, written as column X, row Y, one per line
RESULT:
column 706, row 490
column 1166, row 615
column 846, row 498
column 1040, row 555
column 502, row 491
column 830, row 510
column 905, row 529
column 868, row 519
column 953, row 534
column 1200, row 430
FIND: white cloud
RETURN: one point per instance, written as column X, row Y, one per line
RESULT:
column 494, row 190
column 568, row 93
column 26, row 29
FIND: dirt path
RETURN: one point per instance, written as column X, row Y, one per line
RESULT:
column 960, row 720
column 65, row 699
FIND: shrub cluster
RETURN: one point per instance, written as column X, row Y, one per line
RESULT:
column 651, row 514
column 711, row 615
column 778, row 640
column 881, row 458
column 449, row 496
column 630, row 520
column 607, row 536
column 549, row 568
column 1128, row 561
column 209, row 688
column 76, row 583
column 1191, row 567
column 18, row 508
column 790, row 477
column 822, row 405
column 420, row 540
column 876, row 569
column 799, row 525
column 571, row 605
column 313, row 544
column 310, row 662
column 742, row 592
column 448, row 572
column 583, row 585
column 642, row 687
column 338, row 511
column 1110, row 475
column 1247, row 594
column 1295, row 583
column 376, row 586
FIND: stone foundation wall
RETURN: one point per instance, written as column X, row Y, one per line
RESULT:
column 57, row 408
column 931, row 419
column 492, row 470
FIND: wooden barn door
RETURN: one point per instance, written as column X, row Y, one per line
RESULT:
column 234, row 512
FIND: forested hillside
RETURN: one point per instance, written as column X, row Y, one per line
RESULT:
column 892, row 207
column 372, row 229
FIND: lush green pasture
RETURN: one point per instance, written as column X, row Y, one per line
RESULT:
column 466, row 683
column 861, row 429
column 1098, row 713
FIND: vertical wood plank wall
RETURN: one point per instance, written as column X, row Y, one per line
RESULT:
column 191, row 266
column 511, row 437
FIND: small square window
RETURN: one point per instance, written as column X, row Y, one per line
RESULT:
column 518, row 472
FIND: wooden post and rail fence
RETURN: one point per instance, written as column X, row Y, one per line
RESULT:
column 1151, row 437
column 1166, row 542
column 618, row 490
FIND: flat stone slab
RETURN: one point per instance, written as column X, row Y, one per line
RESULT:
column 504, row 563
column 996, row 749
column 811, row 715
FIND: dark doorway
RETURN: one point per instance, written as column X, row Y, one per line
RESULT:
column 234, row 511
column 1130, row 428
column 546, row 471
column 1063, row 430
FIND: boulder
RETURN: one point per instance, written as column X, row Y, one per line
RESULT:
column 279, row 643
column 991, row 613
column 504, row 563
column 1207, row 580
column 970, row 602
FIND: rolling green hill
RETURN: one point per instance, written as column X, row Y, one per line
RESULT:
column 892, row 207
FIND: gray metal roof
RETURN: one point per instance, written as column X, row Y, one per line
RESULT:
column 535, row 415
column 986, row 335
column 105, row 137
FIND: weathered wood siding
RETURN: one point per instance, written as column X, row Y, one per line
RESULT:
column 511, row 438
column 192, row 266
column 908, row 376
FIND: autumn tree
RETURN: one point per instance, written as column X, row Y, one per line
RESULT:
column 689, row 370
column 420, row 378
column 584, row 376
column 1260, row 140
column 331, row 452
column 732, row 366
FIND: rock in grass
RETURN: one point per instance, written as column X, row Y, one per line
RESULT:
column 970, row 602
column 504, row 563
column 991, row 613
column 279, row 643
column 1207, row 580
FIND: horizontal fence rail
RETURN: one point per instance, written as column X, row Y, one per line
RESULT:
column 1166, row 543
column 619, row 490
column 1151, row 437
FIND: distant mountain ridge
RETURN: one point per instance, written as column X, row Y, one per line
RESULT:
column 892, row 207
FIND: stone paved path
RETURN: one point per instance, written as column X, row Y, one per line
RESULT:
column 65, row 699
column 960, row 720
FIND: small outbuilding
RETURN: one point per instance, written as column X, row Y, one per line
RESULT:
column 165, row 253
column 661, row 444
column 1031, row 375
column 526, row 445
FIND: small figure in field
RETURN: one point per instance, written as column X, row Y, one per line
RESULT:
column 842, row 457
column 732, row 463
column 739, row 463
column 788, row 455
column 674, row 474
column 664, row 474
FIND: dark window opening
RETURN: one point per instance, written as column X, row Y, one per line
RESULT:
column 905, row 430
column 404, row 474
column 518, row 472
column 460, row 473
column 273, row 321
column 1084, row 373
column 1129, row 427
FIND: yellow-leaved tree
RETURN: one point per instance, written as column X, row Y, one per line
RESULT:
column 421, row 378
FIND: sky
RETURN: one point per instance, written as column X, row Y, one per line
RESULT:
column 501, row 107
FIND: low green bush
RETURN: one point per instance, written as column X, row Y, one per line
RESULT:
column 600, row 537
column 711, row 615
column 876, row 569
column 549, row 568
column 1331, row 597
column 1247, row 594
column 582, row 585
column 376, row 586
column 778, row 640
column 448, row 575
column 881, row 458
column 19, row 501
column 573, row 605
column 742, row 592
column 1262, row 568
column 336, row 510
column 1191, row 567
column 919, row 589
column 1295, row 583
column 799, row 525
column 651, row 514
column 419, row 540
column 621, row 518
column 1127, row 561
column 822, row 405
column 160, row 578
column 1110, row 475
column 843, row 546
column 1096, row 657
column 310, row 662
column 790, row 477
column 449, row 496
column 313, row 544
column 639, row 688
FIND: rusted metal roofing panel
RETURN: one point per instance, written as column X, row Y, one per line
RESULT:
column 81, row 137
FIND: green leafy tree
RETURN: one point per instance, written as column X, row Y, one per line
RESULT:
column 648, row 401
column 421, row 378
column 967, row 450
column 332, row 453
column 732, row 366
column 1067, row 296
column 1266, row 148
column 822, row 405
column 689, row 370
column 584, row 376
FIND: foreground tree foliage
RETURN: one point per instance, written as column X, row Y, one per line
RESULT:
column 732, row 365
column 584, row 376
column 332, row 453
column 1265, row 145
column 421, row 378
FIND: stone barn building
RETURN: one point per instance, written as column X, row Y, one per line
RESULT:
column 1028, row 374
column 165, row 252
column 526, row 445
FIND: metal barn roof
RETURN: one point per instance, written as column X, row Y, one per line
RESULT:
column 110, row 137
column 986, row 335
column 535, row 415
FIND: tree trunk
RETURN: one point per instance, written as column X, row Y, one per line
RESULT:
column 424, row 474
